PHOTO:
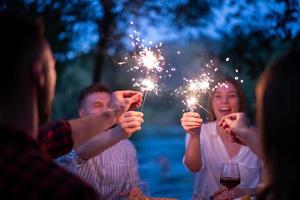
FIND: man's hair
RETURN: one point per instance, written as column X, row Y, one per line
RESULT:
column 21, row 44
column 95, row 87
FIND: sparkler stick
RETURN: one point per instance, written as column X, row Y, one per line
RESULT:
column 145, row 96
column 192, row 104
column 205, row 110
column 146, row 85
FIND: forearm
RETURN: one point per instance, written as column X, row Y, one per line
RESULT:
column 99, row 143
column 253, row 141
column 193, row 154
column 87, row 127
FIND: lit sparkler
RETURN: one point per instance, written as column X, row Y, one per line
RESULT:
column 191, row 103
column 146, row 85
column 195, row 88
column 148, row 59
column 149, row 62
column 152, row 61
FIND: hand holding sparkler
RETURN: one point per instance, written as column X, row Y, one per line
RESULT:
column 191, row 123
column 123, row 101
column 130, row 122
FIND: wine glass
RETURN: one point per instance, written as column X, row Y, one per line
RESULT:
column 230, row 176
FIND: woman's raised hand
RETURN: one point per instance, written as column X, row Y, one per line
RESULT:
column 191, row 122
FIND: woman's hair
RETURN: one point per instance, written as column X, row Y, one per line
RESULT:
column 226, row 79
column 278, row 119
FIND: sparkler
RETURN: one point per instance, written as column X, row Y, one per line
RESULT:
column 191, row 103
column 193, row 89
column 146, row 85
column 152, row 62
column 148, row 60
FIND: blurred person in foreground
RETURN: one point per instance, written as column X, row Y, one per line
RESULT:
column 27, row 85
column 108, row 162
column 276, row 139
column 208, row 145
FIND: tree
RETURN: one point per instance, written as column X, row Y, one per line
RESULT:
column 113, row 25
column 60, row 18
column 261, row 34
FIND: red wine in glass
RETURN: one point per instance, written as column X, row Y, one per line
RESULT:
column 230, row 182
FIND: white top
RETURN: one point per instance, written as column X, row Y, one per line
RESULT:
column 214, row 153
column 113, row 171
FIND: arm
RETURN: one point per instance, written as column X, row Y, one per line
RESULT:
column 252, row 139
column 59, row 137
column 238, row 127
column 128, row 123
column 87, row 127
column 191, row 123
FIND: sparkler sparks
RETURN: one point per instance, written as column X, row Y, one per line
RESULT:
column 146, row 85
column 199, row 85
column 147, row 62
column 193, row 90
column 191, row 103
column 150, row 60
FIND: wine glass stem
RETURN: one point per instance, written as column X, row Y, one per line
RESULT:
column 229, row 194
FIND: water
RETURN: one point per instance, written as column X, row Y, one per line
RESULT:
column 160, row 152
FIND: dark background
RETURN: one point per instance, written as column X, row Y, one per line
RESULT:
column 90, row 37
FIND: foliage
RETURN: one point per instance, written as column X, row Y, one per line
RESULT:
column 88, row 39
column 76, row 76
column 61, row 18
column 262, row 34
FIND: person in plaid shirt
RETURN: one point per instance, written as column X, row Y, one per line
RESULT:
column 27, row 83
